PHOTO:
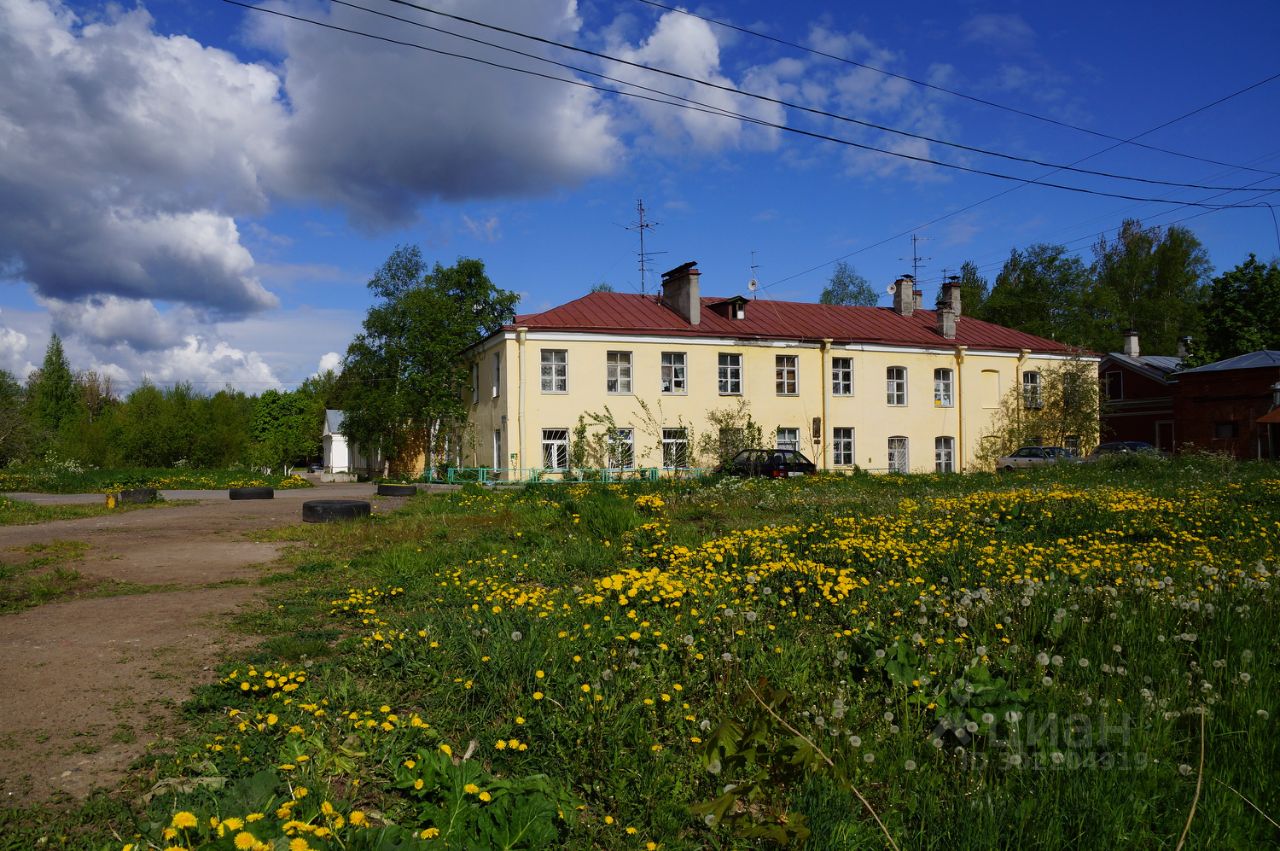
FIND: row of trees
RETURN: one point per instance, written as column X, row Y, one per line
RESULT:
column 1151, row 279
column 77, row 416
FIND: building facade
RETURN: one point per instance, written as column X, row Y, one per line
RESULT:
column 901, row 388
column 1231, row 406
column 1137, row 395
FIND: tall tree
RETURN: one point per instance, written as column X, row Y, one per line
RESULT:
column 285, row 429
column 973, row 290
column 15, row 432
column 404, row 371
column 1241, row 312
column 51, row 391
column 1041, row 291
column 847, row 287
column 1148, row 279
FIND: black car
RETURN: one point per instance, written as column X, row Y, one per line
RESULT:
column 1122, row 447
column 773, row 463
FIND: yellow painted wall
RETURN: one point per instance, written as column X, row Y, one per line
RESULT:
column 975, row 396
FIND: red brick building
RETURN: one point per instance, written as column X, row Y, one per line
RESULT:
column 1231, row 406
column 1137, row 396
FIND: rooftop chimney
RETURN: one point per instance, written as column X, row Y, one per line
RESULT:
column 951, row 295
column 1131, row 343
column 904, row 295
column 947, row 322
column 1184, row 347
column 919, row 295
column 680, row 291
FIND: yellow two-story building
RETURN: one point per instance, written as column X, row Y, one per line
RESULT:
column 890, row 389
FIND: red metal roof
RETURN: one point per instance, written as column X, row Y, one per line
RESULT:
column 627, row 313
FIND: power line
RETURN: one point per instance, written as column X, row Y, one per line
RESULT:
column 712, row 110
column 952, row 92
column 783, row 103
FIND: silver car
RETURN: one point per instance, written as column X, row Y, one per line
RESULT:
column 1035, row 456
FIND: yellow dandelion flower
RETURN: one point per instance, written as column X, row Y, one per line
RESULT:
column 245, row 840
column 184, row 819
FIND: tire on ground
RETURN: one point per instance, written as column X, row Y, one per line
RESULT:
column 397, row 490
column 252, row 493
column 329, row 510
column 132, row 496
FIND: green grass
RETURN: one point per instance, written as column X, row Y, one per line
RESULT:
column 17, row 512
column 70, row 479
column 991, row 662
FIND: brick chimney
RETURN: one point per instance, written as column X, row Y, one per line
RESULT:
column 680, row 291
column 951, row 295
column 1131, row 343
column 904, row 295
column 1184, row 347
column 946, row 321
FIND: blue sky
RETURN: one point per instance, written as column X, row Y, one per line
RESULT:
column 195, row 191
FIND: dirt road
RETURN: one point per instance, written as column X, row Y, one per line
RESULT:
column 89, row 684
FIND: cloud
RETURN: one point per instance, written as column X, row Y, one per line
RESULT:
column 487, row 229
column 1003, row 31
column 114, row 322
column 124, row 153
column 14, row 353
column 329, row 361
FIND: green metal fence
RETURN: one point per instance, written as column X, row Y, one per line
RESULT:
column 525, row 475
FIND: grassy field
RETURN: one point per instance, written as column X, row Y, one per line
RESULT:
column 69, row 478
column 1078, row 658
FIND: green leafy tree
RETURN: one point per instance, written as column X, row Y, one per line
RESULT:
column 1064, row 414
column 51, row 391
column 404, row 372
column 1149, row 279
column 285, row 430
column 847, row 287
column 1241, row 312
column 1042, row 291
column 728, row 432
column 602, row 287
column 974, row 290
column 15, row 428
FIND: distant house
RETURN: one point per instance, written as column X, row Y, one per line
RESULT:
column 340, row 456
column 1231, row 406
column 1137, row 395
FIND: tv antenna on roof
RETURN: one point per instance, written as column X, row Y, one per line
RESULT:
column 753, row 284
column 645, row 256
column 916, row 260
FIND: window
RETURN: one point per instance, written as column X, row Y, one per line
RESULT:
column 1113, row 385
column 730, row 375
column 675, row 447
column 475, row 383
column 990, row 388
column 497, row 447
column 1072, row 391
column 673, row 373
column 785, row 373
column 896, row 385
column 944, row 450
column 942, row 388
column 842, row 376
column 555, row 371
column 1031, row 397
column 622, row 449
column 1226, row 431
column 497, row 374
column 842, row 447
column 789, row 438
column 555, row 448
column 618, row 369
column 1072, row 442
column 899, row 462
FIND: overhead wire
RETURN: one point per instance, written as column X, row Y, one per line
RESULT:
column 689, row 103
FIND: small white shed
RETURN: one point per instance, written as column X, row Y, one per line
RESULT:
column 340, row 456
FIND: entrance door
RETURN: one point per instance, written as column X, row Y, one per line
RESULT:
column 1164, row 435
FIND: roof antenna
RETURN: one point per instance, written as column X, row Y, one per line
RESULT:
column 916, row 260
column 753, row 284
column 645, row 256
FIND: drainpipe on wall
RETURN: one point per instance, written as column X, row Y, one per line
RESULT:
column 1017, row 382
column 960, row 444
column 521, row 335
column 824, row 377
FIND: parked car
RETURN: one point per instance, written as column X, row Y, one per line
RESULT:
column 1122, row 447
column 1035, row 456
column 774, row 463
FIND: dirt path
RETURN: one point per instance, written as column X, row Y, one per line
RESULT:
column 90, row 683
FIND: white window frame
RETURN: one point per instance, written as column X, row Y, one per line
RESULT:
column 944, row 454
column 899, row 454
column 842, row 376
column 555, row 371
column 895, row 384
column 675, row 447
column 497, row 448
column 617, row 373
column 622, row 449
column 842, row 446
column 787, row 374
column 497, row 374
column 555, row 447
column 943, row 387
column 787, row 438
column 1032, row 390
column 729, row 373
column 675, row 373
